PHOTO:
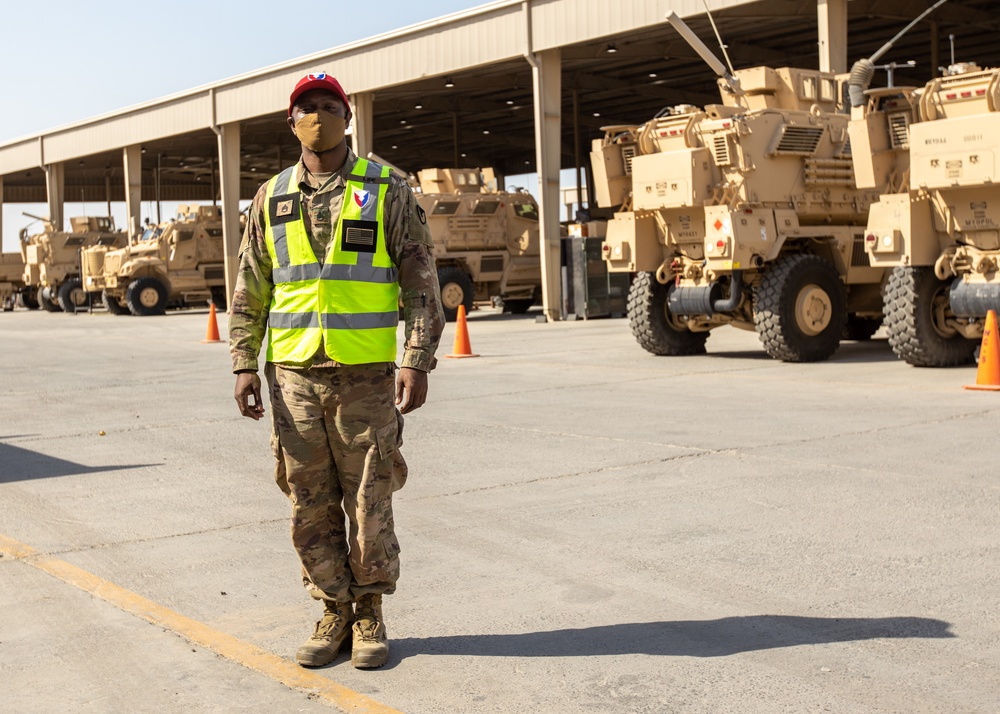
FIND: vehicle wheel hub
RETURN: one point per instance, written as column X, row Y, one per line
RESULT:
column 149, row 297
column 452, row 296
column 813, row 310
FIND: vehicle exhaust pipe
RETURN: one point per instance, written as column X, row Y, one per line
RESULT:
column 706, row 300
column 735, row 294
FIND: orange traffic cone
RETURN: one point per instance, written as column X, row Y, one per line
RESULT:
column 462, row 347
column 212, row 333
column 988, row 376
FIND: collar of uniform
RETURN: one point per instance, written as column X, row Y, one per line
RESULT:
column 310, row 184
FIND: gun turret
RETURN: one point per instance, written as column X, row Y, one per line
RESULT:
column 864, row 69
column 706, row 54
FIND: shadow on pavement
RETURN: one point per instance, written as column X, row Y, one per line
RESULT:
column 497, row 316
column 876, row 350
column 690, row 638
column 17, row 464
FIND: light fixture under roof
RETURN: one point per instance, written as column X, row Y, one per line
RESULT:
column 486, row 131
column 611, row 49
column 510, row 102
column 597, row 114
column 418, row 105
column 394, row 146
column 652, row 75
column 448, row 83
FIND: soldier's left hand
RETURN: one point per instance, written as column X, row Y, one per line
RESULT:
column 411, row 389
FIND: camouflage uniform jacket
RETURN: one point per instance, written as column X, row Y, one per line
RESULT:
column 408, row 243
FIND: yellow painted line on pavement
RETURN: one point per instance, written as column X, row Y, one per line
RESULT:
column 232, row 648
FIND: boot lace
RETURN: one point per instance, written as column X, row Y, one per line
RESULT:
column 326, row 626
column 366, row 620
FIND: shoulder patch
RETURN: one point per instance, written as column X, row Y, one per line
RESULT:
column 421, row 214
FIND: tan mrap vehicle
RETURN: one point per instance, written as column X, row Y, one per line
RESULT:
column 11, row 280
column 178, row 263
column 485, row 240
column 52, row 260
column 938, row 225
column 742, row 213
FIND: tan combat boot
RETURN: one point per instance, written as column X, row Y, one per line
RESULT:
column 331, row 631
column 371, row 645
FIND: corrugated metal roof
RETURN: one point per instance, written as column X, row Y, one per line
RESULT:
column 481, row 36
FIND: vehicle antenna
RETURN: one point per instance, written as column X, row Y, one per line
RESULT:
column 864, row 69
column 888, row 45
column 706, row 54
column 951, row 40
column 722, row 45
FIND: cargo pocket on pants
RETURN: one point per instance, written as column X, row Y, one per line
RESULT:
column 280, row 474
column 388, row 439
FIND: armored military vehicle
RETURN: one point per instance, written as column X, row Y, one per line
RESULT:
column 937, row 225
column 52, row 259
column 11, row 283
column 175, row 264
column 742, row 213
column 485, row 240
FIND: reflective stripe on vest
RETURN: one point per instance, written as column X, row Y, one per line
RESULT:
column 349, row 302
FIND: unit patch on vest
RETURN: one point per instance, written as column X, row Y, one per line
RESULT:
column 284, row 209
column 359, row 236
column 361, row 198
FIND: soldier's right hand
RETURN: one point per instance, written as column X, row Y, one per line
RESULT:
column 247, row 386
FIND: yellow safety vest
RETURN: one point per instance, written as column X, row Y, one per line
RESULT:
column 350, row 302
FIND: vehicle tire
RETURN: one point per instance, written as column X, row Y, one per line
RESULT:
column 112, row 305
column 861, row 329
column 146, row 297
column 456, row 289
column 517, row 307
column 71, row 296
column 916, row 303
column 28, row 299
column 800, row 308
column 45, row 300
column 655, row 328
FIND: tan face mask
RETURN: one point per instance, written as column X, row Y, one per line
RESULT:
column 321, row 130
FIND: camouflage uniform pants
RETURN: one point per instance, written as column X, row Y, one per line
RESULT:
column 336, row 437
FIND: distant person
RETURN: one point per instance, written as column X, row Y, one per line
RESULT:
column 331, row 245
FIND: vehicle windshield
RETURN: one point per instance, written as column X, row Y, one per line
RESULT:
column 526, row 210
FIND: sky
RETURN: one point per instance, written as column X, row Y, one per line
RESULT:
column 62, row 62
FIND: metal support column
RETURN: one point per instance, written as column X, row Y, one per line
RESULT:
column 546, row 74
column 132, row 158
column 935, row 48
column 229, row 185
column 55, row 188
column 361, row 140
column 576, row 153
column 832, row 17
column 1, row 213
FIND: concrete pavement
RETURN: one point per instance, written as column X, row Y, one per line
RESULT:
column 586, row 528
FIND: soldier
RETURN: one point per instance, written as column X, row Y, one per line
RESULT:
column 331, row 373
